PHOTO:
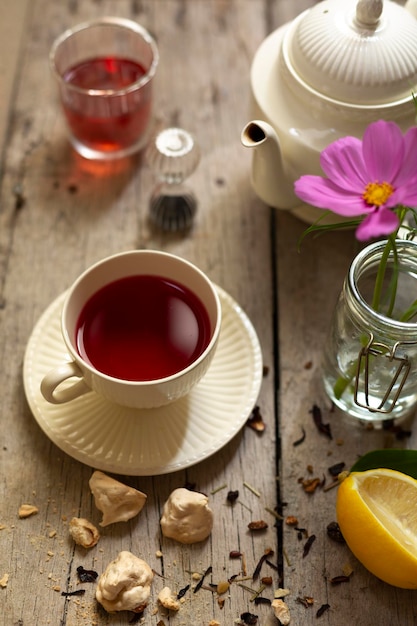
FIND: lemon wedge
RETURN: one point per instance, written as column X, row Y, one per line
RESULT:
column 377, row 514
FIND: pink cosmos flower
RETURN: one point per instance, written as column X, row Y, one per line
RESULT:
column 369, row 177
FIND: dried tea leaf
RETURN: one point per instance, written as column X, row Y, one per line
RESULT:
column 261, row 600
column 301, row 439
column 318, row 420
column 201, row 581
column 337, row 468
column 235, row 554
column 310, row 484
column 396, row 429
column 268, row 552
column 77, row 592
column 214, row 491
column 222, row 587
column 258, row 525
column 86, row 575
column 182, row 592
column 301, row 532
column 255, row 420
column 308, row 544
column 334, row 532
column 322, row 609
column 337, row 580
column 232, row 496
column 252, row 489
column 306, row 601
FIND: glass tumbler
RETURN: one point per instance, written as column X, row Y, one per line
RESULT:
column 105, row 69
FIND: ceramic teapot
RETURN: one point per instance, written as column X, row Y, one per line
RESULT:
column 337, row 67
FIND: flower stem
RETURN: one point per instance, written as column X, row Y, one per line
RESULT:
column 343, row 382
column 376, row 300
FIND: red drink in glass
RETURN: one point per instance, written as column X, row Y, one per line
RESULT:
column 104, row 70
column 115, row 122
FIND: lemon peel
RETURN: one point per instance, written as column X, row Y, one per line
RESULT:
column 377, row 515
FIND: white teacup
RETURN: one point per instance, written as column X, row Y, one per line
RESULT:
column 141, row 328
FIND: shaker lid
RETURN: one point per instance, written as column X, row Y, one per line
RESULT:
column 355, row 51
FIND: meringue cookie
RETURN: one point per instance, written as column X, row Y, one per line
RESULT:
column 186, row 516
column 83, row 532
column 125, row 585
column 117, row 502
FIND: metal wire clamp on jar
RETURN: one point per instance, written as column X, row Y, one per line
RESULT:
column 370, row 357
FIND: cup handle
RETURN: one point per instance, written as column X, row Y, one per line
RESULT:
column 57, row 376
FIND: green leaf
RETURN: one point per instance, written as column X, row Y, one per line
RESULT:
column 341, row 385
column 409, row 313
column 404, row 461
column 318, row 228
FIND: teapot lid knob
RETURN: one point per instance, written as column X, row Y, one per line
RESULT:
column 368, row 12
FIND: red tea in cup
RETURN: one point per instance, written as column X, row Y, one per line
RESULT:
column 143, row 327
column 141, row 330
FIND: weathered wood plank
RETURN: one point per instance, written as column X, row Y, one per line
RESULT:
column 309, row 283
column 12, row 29
column 72, row 214
column 59, row 214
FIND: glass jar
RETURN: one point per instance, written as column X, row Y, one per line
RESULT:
column 370, row 356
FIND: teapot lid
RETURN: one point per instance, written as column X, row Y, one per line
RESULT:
column 355, row 51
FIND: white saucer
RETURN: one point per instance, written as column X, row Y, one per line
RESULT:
column 148, row 442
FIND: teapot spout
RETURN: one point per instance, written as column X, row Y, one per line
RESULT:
column 269, row 178
column 411, row 6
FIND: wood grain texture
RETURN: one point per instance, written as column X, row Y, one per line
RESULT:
column 309, row 283
column 59, row 214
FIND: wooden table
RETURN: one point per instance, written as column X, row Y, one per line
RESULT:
column 58, row 215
